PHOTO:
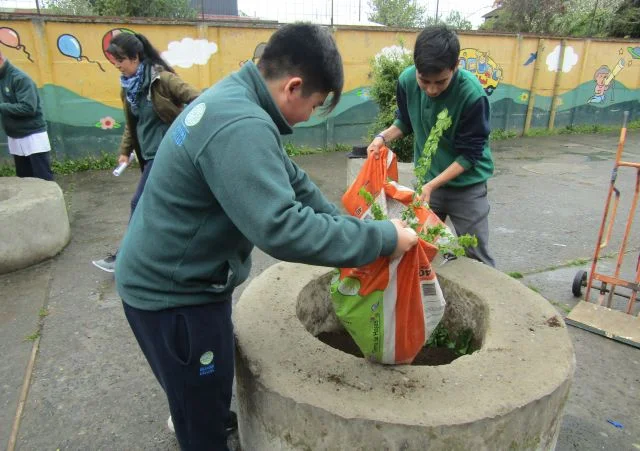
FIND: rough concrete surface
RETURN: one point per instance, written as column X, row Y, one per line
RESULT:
column 520, row 376
column 33, row 222
column 92, row 389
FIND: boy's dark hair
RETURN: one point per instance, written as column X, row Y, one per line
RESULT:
column 129, row 45
column 309, row 52
column 437, row 48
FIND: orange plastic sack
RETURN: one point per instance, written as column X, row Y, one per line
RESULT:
column 389, row 307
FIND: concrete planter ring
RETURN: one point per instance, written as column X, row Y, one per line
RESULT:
column 34, row 224
column 297, row 393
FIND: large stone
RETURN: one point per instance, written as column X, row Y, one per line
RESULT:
column 34, row 224
column 298, row 393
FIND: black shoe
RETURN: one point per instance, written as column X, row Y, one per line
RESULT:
column 231, row 425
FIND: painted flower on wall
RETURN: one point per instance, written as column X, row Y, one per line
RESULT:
column 524, row 96
column 107, row 123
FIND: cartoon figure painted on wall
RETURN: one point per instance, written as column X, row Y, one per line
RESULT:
column 106, row 40
column 479, row 63
column 11, row 38
column 634, row 52
column 604, row 78
column 69, row 46
column 257, row 54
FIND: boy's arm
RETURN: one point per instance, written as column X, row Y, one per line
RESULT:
column 249, row 179
column 401, row 125
column 307, row 192
column 473, row 132
column 27, row 99
column 402, row 121
column 470, row 137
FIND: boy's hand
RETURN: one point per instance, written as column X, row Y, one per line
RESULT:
column 375, row 146
column 407, row 238
column 123, row 159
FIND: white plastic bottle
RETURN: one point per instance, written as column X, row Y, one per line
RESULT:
column 122, row 166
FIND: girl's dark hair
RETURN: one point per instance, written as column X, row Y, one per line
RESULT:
column 309, row 52
column 129, row 45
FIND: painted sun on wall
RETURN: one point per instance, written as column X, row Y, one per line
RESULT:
column 480, row 64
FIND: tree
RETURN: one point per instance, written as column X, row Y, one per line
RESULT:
column 527, row 16
column 563, row 17
column 626, row 20
column 173, row 9
column 70, row 7
column 585, row 18
column 454, row 20
column 397, row 13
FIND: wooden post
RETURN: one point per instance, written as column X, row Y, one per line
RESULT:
column 556, row 86
column 534, row 87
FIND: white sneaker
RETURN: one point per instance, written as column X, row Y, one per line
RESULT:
column 170, row 425
column 107, row 264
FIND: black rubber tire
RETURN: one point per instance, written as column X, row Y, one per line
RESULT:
column 579, row 281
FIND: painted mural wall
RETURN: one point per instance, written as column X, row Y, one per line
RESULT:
column 531, row 82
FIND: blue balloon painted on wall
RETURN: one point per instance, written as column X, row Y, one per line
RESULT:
column 69, row 46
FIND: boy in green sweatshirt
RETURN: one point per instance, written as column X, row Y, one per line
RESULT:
column 23, row 122
column 222, row 183
column 456, row 184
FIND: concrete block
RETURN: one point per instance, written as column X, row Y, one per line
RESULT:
column 297, row 393
column 34, row 224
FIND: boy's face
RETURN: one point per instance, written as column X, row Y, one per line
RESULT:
column 435, row 84
column 294, row 105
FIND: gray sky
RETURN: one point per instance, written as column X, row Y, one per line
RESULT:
column 319, row 11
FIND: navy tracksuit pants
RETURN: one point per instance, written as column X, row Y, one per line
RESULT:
column 190, row 350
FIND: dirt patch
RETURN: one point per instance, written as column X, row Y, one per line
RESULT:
column 554, row 322
column 427, row 357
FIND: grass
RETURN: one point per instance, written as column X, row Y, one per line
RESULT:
column 562, row 306
column 515, row 274
column 534, row 289
column 295, row 150
column 69, row 166
column 43, row 312
column 33, row 337
column 500, row 134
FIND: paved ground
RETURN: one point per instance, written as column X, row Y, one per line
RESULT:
column 91, row 389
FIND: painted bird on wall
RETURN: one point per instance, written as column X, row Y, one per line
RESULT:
column 531, row 59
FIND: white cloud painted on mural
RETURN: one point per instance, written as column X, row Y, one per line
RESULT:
column 570, row 59
column 189, row 51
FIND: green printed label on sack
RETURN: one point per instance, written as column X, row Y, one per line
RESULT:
column 362, row 316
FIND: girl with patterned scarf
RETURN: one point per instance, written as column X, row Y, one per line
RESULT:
column 152, row 96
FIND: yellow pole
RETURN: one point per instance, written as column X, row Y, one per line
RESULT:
column 534, row 87
column 556, row 86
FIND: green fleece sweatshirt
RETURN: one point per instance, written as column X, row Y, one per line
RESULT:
column 20, row 106
column 222, row 183
column 468, row 134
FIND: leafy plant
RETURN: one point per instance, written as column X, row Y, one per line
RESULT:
column 376, row 210
column 386, row 68
column 423, row 164
column 441, row 338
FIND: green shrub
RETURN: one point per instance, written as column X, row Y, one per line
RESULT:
column 386, row 67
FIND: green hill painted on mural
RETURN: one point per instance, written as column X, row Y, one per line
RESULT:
column 66, row 107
